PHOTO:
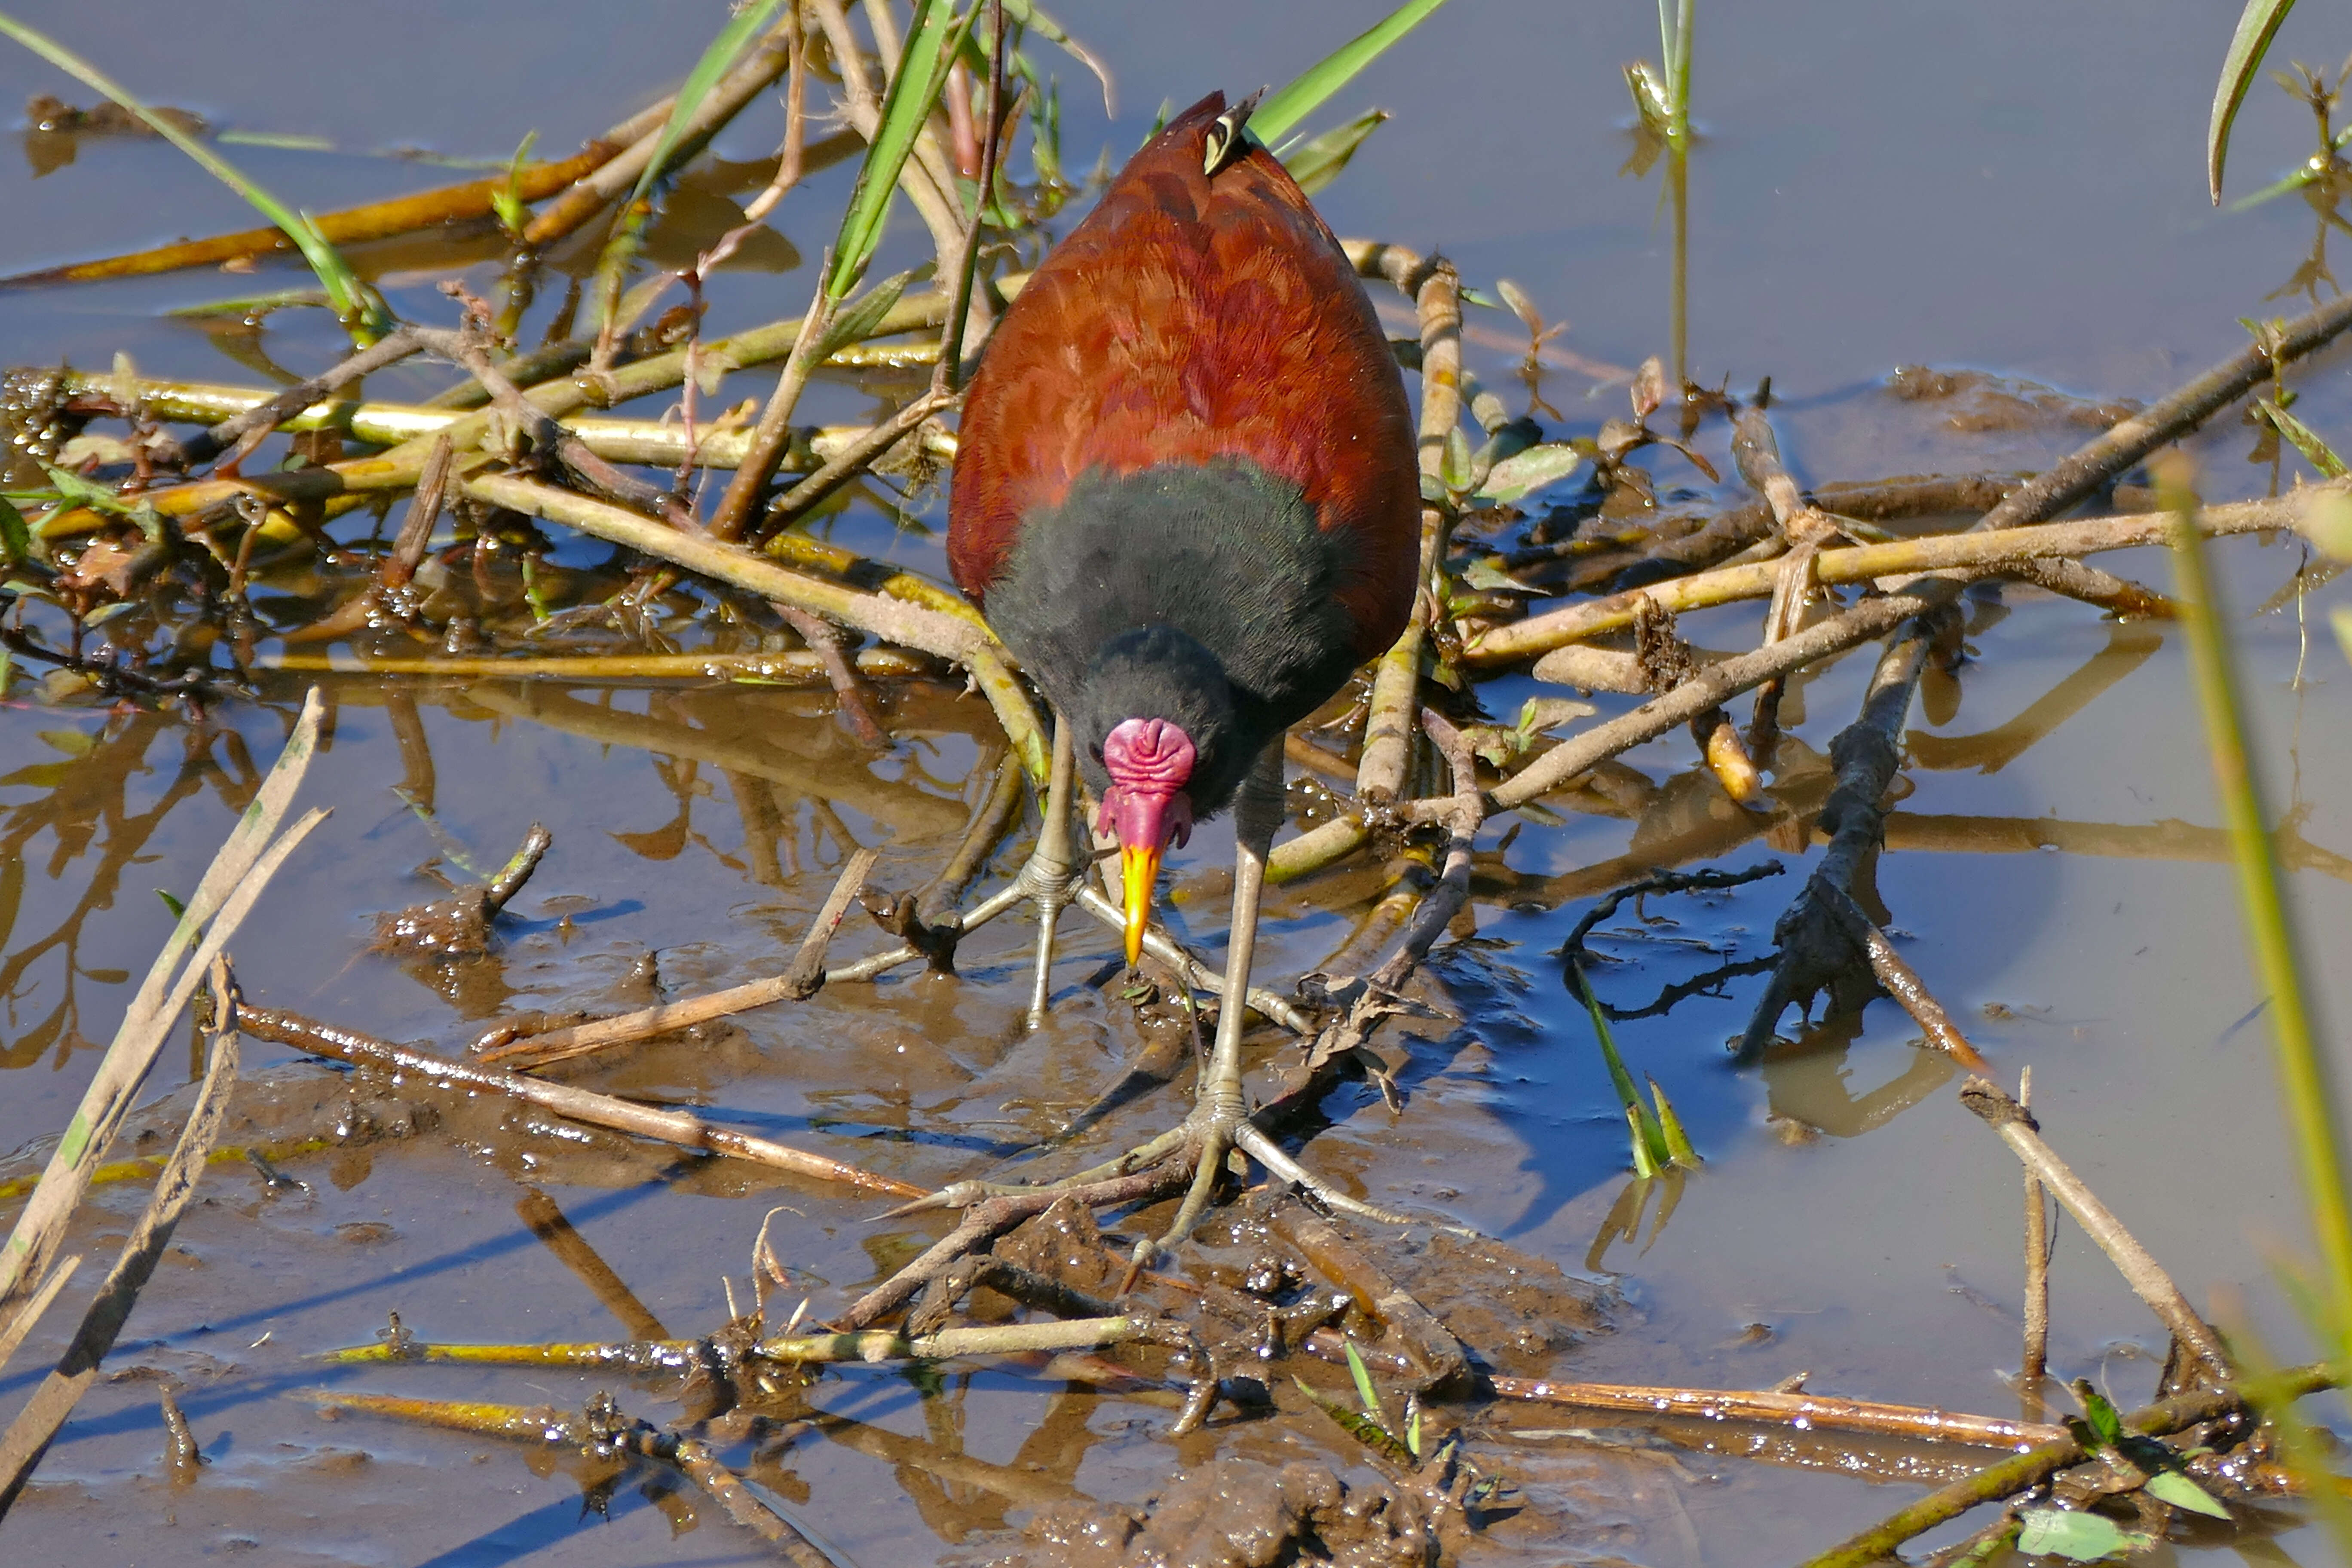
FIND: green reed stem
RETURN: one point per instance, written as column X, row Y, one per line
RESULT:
column 2305, row 1076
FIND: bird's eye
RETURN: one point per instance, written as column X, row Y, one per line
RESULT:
column 1097, row 751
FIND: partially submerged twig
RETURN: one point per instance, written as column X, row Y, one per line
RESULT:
column 682, row 1127
column 2139, row 1268
column 801, row 981
column 2034, row 1366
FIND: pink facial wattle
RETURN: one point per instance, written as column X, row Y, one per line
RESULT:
column 1150, row 761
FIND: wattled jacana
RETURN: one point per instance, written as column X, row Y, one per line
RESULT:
column 1186, row 498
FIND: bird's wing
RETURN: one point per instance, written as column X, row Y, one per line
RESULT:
column 1192, row 318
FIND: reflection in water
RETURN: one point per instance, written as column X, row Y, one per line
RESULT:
column 2130, row 644
column 1806, row 1081
column 82, row 803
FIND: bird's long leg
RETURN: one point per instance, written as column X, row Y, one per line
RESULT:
column 1055, row 871
column 1257, row 811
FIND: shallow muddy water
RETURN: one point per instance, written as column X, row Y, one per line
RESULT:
column 2009, row 187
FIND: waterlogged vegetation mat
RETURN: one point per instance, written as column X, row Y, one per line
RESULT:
column 517, row 1037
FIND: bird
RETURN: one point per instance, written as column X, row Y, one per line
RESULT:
column 1186, row 498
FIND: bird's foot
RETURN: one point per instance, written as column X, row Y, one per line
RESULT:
column 1052, row 878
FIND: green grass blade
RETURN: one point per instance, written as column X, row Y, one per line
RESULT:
column 2257, row 25
column 1650, row 1139
column 2305, row 173
column 1034, row 19
column 1281, row 113
column 2303, row 1074
column 1646, row 1163
column 856, row 321
column 931, row 47
column 1364, row 1389
column 1316, row 164
column 736, row 36
column 2302, row 438
column 362, row 311
column 1678, row 1143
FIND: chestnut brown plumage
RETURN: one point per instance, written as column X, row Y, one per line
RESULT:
column 1187, row 498
column 1186, row 488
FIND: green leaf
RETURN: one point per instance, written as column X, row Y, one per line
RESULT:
column 1484, row 573
column 2083, row 1537
column 2257, row 25
column 1412, row 1432
column 1363, row 1428
column 1646, row 1160
column 1455, row 468
column 856, row 321
column 1316, row 163
column 72, row 742
column 2302, row 438
column 923, row 65
column 1521, row 475
column 2173, row 1486
column 1678, row 1143
column 1281, row 111
column 361, row 308
column 16, row 536
column 507, row 199
column 1032, row 19
column 725, row 50
column 179, row 910
column 1364, row 1389
column 1649, row 1139
column 2106, row 1427
column 105, row 613
column 8, row 670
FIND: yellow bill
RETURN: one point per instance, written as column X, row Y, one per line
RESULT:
column 1139, row 868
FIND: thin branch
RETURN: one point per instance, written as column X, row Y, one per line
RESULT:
column 2139, row 1266
column 679, row 1127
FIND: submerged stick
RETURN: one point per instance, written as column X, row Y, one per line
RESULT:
column 2034, row 1366
column 376, row 220
column 1816, row 1412
column 2139, row 1266
column 679, row 1127
column 1903, row 982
